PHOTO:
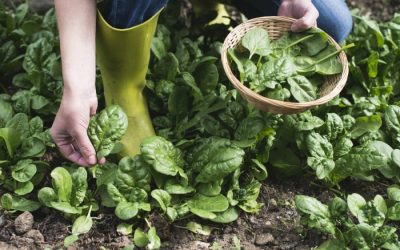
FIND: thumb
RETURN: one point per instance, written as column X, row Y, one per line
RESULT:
column 85, row 146
column 307, row 21
column 93, row 109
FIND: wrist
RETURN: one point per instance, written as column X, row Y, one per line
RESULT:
column 78, row 83
column 75, row 91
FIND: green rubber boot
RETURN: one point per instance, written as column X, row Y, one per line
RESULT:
column 123, row 57
column 202, row 6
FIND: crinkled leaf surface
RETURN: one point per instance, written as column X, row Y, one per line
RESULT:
column 162, row 155
column 106, row 128
column 215, row 158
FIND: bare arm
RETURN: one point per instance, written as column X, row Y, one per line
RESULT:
column 76, row 21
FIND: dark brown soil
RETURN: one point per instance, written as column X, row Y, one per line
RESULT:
column 378, row 9
column 275, row 227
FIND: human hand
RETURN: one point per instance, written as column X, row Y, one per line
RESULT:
column 69, row 130
column 303, row 10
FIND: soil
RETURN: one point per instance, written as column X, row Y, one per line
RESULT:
column 377, row 9
column 277, row 225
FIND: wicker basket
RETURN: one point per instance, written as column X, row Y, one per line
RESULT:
column 276, row 27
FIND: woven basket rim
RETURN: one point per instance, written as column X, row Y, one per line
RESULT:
column 272, row 102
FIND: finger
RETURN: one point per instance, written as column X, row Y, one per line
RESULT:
column 307, row 21
column 85, row 146
column 75, row 145
column 93, row 109
column 284, row 10
column 69, row 152
column 102, row 161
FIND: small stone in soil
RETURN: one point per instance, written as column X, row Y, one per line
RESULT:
column 264, row 238
column 291, row 238
column 228, row 230
column 201, row 245
column 35, row 235
column 22, row 242
column 253, row 219
column 273, row 204
column 268, row 224
column 6, row 246
column 2, row 220
column 23, row 223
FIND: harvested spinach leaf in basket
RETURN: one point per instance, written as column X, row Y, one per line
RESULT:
column 290, row 68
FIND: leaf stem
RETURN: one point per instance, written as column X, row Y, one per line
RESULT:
column 365, row 60
column 334, row 190
column 90, row 210
column 259, row 61
column 94, row 169
column 13, row 5
column 251, row 55
column 238, row 63
column 299, row 41
column 351, row 45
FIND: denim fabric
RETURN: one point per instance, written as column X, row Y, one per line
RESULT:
column 128, row 13
column 334, row 15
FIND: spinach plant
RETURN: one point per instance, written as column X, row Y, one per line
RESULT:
column 69, row 193
column 366, row 228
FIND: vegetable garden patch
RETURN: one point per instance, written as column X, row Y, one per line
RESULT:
column 213, row 154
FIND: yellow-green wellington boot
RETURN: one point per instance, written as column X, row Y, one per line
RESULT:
column 201, row 6
column 123, row 57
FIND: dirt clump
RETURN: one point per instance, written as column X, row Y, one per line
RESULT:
column 264, row 239
column 23, row 223
column 35, row 235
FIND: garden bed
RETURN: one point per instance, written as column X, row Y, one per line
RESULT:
column 276, row 226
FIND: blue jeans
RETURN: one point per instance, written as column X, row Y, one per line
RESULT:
column 127, row 13
column 334, row 15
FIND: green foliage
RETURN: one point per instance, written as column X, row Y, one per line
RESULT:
column 150, row 240
column 198, row 228
column 213, row 150
column 69, row 190
column 366, row 228
column 81, row 225
column 289, row 68
column 106, row 128
column 257, row 42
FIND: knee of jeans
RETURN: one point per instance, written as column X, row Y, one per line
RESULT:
column 343, row 27
column 339, row 26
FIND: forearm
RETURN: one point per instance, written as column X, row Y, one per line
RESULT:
column 76, row 21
